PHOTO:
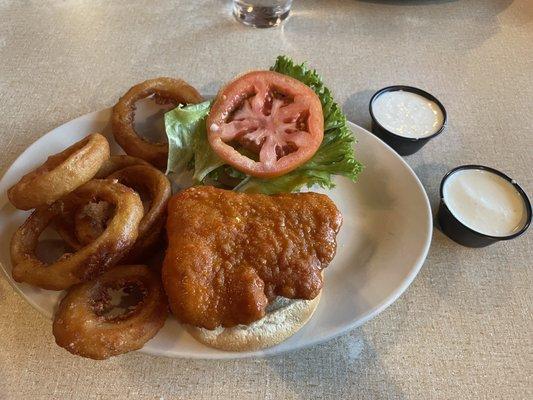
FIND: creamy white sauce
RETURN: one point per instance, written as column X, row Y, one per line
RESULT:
column 407, row 114
column 485, row 202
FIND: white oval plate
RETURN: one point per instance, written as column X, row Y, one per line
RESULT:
column 382, row 245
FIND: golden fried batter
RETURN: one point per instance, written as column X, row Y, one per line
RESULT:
column 231, row 253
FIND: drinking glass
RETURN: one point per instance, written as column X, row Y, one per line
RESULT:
column 261, row 13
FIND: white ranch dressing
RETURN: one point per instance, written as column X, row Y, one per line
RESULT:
column 485, row 202
column 407, row 114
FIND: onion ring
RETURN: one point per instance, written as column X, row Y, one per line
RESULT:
column 89, row 223
column 124, row 112
column 81, row 326
column 117, row 162
column 90, row 260
column 61, row 173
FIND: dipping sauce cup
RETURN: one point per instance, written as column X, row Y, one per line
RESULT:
column 406, row 118
column 480, row 206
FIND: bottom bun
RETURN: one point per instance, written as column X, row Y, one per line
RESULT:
column 283, row 319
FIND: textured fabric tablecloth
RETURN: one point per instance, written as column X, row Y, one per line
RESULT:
column 463, row 330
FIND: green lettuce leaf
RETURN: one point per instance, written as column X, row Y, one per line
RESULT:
column 188, row 147
column 205, row 159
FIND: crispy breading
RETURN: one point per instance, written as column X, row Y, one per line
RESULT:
column 231, row 253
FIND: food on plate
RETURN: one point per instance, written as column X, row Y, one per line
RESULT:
column 243, row 269
column 166, row 89
column 61, row 173
column 91, row 219
column 88, row 322
column 90, row 260
column 197, row 146
column 117, row 162
column 265, row 124
column 231, row 254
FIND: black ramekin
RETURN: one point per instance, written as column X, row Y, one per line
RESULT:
column 404, row 145
column 461, row 233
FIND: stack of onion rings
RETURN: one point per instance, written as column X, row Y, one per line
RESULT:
column 175, row 90
column 61, row 173
column 91, row 259
column 82, row 328
column 110, row 210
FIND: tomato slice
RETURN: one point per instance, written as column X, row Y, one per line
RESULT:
column 265, row 124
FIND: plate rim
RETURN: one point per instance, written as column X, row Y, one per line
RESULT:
column 269, row 352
